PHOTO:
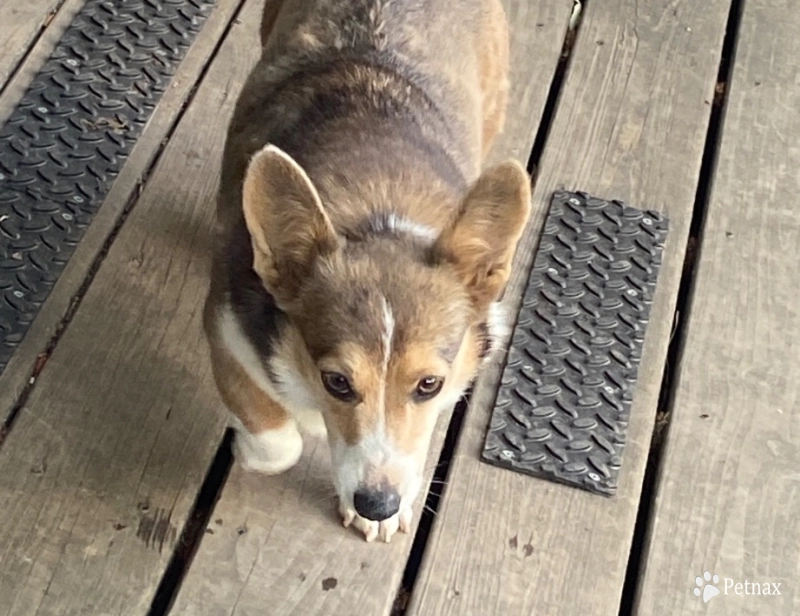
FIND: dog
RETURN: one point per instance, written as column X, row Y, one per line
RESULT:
column 361, row 249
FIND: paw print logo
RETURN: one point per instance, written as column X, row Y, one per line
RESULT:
column 706, row 586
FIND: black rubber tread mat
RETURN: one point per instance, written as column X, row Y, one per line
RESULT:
column 564, row 401
column 68, row 138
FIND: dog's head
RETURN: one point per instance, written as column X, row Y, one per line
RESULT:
column 393, row 325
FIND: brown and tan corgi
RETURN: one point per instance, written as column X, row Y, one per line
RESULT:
column 361, row 251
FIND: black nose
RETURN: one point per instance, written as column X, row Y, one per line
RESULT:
column 377, row 504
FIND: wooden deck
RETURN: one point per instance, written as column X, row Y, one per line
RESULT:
column 117, row 494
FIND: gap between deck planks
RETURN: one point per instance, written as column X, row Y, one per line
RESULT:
column 104, row 462
column 630, row 124
column 729, row 492
column 21, row 24
column 17, row 374
column 276, row 546
column 14, row 82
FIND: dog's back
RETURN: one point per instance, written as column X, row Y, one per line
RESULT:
column 375, row 98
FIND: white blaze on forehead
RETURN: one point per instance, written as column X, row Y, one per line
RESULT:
column 419, row 231
column 388, row 335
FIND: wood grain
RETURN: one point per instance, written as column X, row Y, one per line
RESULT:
column 293, row 556
column 104, row 462
column 729, row 491
column 50, row 28
column 21, row 24
column 17, row 374
column 630, row 124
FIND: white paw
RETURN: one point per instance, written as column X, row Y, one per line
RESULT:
column 271, row 452
column 372, row 530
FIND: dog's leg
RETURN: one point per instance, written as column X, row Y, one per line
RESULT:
column 269, row 451
column 267, row 438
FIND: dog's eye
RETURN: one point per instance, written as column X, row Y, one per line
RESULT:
column 338, row 386
column 428, row 387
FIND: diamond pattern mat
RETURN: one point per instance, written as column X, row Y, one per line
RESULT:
column 564, row 401
column 68, row 138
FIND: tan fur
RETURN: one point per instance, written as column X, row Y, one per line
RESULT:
column 244, row 398
column 352, row 359
column 356, row 232
column 485, row 265
column 403, row 425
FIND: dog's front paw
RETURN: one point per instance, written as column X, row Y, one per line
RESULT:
column 385, row 529
column 271, row 452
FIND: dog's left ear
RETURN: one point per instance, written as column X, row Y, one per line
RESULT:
column 288, row 227
column 481, row 241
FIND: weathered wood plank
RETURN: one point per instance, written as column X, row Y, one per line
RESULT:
column 294, row 558
column 729, row 491
column 21, row 23
column 630, row 124
column 51, row 27
column 106, row 457
column 18, row 371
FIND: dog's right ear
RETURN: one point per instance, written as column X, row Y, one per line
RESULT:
column 289, row 229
